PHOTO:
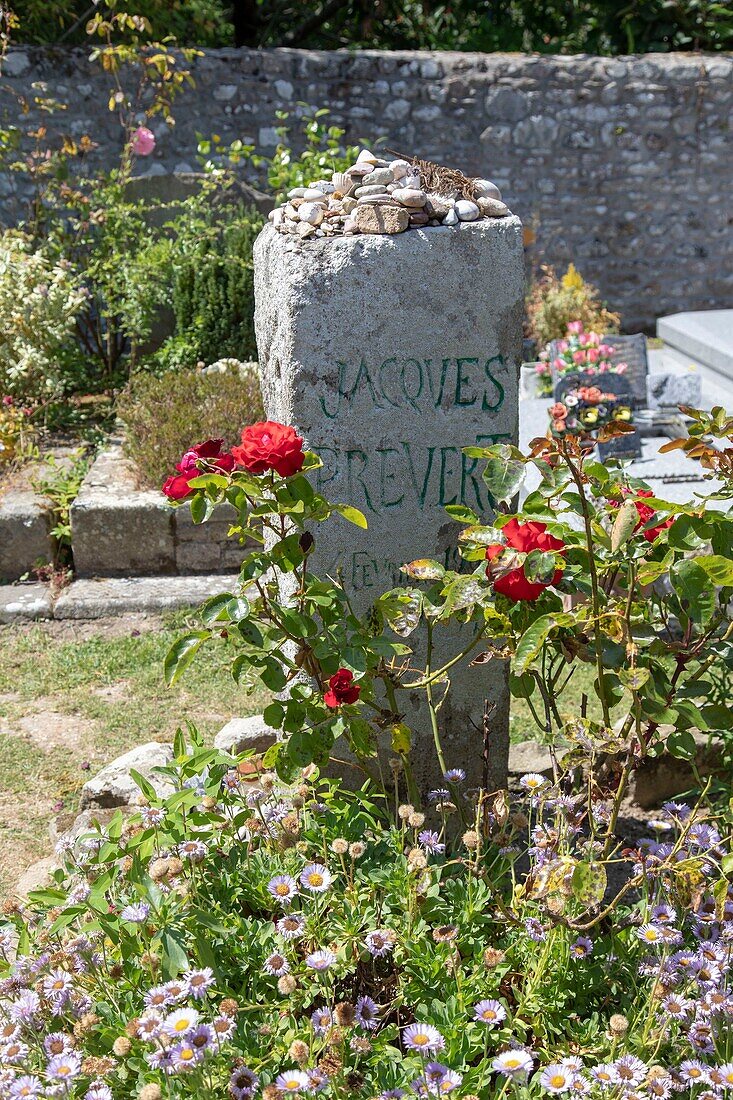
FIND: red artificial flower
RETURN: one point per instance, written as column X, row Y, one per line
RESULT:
column 270, row 446
column 523, row 537
column 341, row 689
column 645, row 513
column 204, row 456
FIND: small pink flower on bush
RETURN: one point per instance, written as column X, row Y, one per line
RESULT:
column 195, row 461
column 143, row 141
column 576, row 327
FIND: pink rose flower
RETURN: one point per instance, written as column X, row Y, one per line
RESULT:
column 562, row 345
column 575, row 327
column 593, row 355
column 578, row 356
column 143, row 141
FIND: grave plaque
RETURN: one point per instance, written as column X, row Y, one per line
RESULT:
column 390, row 354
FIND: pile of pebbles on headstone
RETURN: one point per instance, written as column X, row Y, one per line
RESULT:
column 384, row 196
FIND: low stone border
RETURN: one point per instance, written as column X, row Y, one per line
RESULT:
column 120, row 530
column 25, row 537
column 97, row 598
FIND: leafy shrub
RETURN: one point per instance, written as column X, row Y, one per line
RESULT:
column 160, row 414
column 39, row 302
column 263, row 941
column 213, row 287
column 553, row 304
column 192, row 22
column 16, row 433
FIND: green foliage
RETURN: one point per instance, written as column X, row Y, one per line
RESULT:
column 162, row 414
column 212, row 296
column 554, row 302
column 58, row 483
column 191, row 22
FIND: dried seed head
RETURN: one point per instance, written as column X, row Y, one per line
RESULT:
column 287, row 984
column 150, row 1092
column 493, row 957
column 416, row 820
column 122, row 1046
column 357, row 849
column 339, row 846
column 618, row 1025
column 344, row 1014
column 229, row 1007
column 471, row 839
column 158, row 870
column 404, row 811
column 299, row 1051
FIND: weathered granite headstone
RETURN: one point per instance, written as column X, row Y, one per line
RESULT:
column 390, row 354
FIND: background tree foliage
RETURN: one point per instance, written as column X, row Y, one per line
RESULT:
column 545, row 26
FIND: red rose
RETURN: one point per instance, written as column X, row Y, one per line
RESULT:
column 645, row 513
column 523, row 537
column 197, row 460
column 341, row 689
column 270, row 446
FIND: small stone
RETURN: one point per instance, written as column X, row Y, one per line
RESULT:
column 322, row 185
column 485, row 189
column 245, row 735
column 375, row 200
column 296, row 193
column 412, row 179
column 467, row 211
column 114, row 785
column 360, row 170
column 311, row 212
column 419, row 217
column 367, row 157
column 370, row 189
column 381, row 219
column 379, row 175
column 314, row 194
column 348, row 204
column 493, row 208
column 350, row 226
column 438, row 206
column 399, row 168
column 451, row 217
column 305, row 230
column 410, row 196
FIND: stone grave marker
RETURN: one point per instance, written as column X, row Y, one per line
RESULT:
column 390, row 353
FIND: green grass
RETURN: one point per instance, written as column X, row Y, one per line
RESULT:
column 70, row 702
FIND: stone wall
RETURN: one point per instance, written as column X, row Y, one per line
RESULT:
column 619, row 164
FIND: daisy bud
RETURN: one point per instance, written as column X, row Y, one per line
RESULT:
column 417, row 820
column 158, row 870
column 344, row 1014
column 416, row 858
column 229, row 1007
column 298, row 1051
column 287, row 984
column 403, row 812
column 618, row 1025
column 85, row 1024
column 208, row 802
column 493, row 957
column 150, row 1092
column 339, row 846
column 471, row 839
column 357, row 849
column 121, row 1046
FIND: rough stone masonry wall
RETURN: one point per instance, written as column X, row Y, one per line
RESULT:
column 622, row 165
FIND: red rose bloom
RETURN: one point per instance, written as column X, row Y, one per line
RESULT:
column 197, row 460
column 341, row 689
column 523, row 537
column 645, row 513
column 270, row 446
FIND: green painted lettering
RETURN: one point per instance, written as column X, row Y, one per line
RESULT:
column 382, row 385
column 386, row 476
column 357, row 477
column 363, row 373
column 411, row 398
column 340, row 392
column 420, row 490
column 463, row 380
column 446, row 472
column 497, row 385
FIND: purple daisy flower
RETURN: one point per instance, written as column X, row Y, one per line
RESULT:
column 431, row 841
column 199, row 981
column 316, row 878
column 283, row 887
column 367, row 1013
column 489, row 1012
column 137, row 913
column 380, row 942
column 321, row 1019
column 581, row 948
column 422, row 1037
column 292, row 1080
column 320, row 960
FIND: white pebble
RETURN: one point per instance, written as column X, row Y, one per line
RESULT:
column 485, row 189
column 314, row 194
column 311, row 212
column 400, row 168
column 467, row 211
column 296, row 193
column 411, row 196
column 451, row 217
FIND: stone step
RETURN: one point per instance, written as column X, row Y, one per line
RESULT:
column 99, row 597
column 704, row 335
